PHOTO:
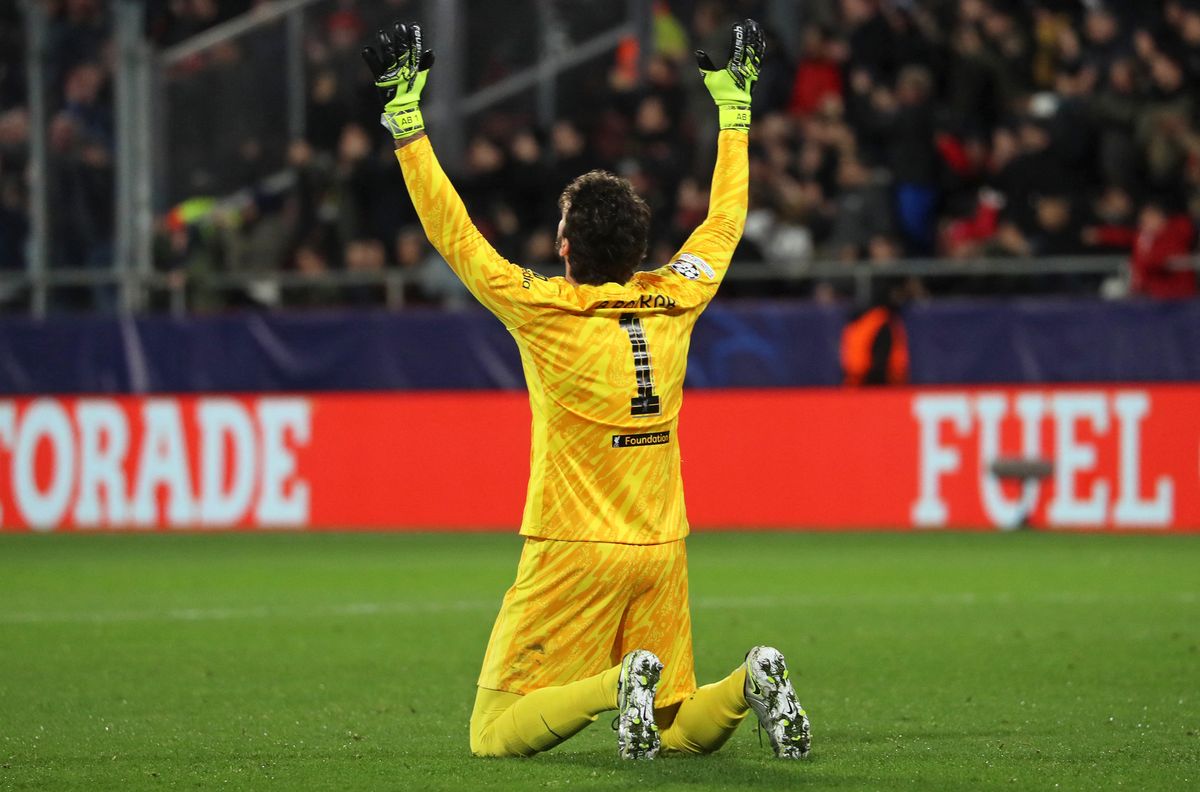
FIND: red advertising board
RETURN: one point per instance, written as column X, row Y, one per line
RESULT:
column 1124, row 457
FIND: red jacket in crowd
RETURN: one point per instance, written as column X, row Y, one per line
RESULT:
column 816, row 80
column 1157, row 249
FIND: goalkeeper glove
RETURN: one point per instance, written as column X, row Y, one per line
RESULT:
column 731, row 86
column 401, row 68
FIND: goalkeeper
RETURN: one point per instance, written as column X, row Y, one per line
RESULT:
column 598, row 617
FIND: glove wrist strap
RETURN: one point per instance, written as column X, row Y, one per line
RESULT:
column 403, row 123
column 734, row 117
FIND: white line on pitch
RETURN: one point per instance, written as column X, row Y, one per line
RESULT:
column 258, row 612
column 245, row 613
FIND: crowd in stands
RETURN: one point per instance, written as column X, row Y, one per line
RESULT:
column 14, row 141
column 884, row 129
column 80, row 137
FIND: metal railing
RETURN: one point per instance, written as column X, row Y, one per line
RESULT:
column 865, row 274
column 176, row 294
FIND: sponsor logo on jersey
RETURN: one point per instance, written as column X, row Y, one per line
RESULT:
column 691, row 266
column 636, row 440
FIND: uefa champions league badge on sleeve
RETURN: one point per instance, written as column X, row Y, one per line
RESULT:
column 690, row 267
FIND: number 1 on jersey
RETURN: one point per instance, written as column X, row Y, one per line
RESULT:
column 646, row 402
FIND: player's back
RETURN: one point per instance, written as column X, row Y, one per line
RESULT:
column 604, row 364
column 605, row 367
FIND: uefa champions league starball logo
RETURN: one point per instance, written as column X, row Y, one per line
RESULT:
column 691, row 267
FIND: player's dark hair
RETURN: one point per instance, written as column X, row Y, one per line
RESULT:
column 608, row 226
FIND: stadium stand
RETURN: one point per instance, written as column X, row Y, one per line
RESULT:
column 949, row 129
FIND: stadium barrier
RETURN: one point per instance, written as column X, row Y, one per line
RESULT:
column 1122, row 457
column 737, row 343
column 145, row 287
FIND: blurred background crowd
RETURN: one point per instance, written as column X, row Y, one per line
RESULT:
column 884, row 129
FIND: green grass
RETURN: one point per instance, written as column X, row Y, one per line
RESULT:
column 927, row 662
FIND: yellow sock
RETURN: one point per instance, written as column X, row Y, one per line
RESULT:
column 508, row 724
column 709, row 717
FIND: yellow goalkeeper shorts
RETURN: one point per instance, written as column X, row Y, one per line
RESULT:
column 578, row 607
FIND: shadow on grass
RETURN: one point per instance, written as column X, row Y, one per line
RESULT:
column 720, row 770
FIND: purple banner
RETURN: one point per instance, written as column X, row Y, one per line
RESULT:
column 736, row 344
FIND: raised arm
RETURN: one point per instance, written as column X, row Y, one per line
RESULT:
column 705, row 257
column 715, row 240
column 500, row 285
column 401, row 68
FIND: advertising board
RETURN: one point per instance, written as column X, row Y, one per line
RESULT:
column 1120, row 458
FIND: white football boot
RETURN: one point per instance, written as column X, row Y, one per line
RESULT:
column 637, row 733
column 770, row 694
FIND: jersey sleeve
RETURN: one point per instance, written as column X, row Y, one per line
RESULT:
column 704, row 258
column 512, row 293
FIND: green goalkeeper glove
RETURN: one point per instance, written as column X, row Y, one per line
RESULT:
column 731, row 86
column 401, row 68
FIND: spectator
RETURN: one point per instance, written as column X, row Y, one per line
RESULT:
column 1161, row 245
column 428, row 281
column 861, row 210
column 1057, row 231
column 874, row 348
column 1164, row 240
column 79, row 35
column 1115, row 108
column 1009, row 50
column 365, row 256
column 569, row 155
column 327, row 112
column 972, row 94
column 526, row 180
column 1113, row 212
column 82, row 181
column 819, row 73
column 355, row 183
column 870, row 38
column 1104, row 41
column 1189, row 36
column 311, row 262
column 1027, row 166
column 883, row 250
column 1164, row 119
column 901, row 125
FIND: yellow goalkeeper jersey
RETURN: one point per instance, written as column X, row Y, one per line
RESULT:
column 604, row 364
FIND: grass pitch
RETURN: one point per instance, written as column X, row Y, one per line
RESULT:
column 339, row 662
